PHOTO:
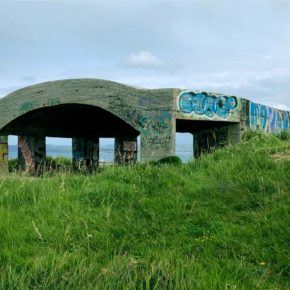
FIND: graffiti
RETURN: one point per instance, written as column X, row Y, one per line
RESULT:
column 125, row 111
column 154, row 122
column 31, row 152
column 155, row 125
column 25, row 152
column 268, row 119
column 53, row 102
column 27, row 106
column 146, row 102
column 209, row 106
column 125, row 151
column 149, row 123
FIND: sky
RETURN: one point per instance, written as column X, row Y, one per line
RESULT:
column 237, row 47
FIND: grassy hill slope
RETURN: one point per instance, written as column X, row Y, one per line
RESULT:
column 221, row 222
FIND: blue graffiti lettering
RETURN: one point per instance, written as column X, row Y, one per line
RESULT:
column 268, row 119
column 185, row 103
column 209, row 106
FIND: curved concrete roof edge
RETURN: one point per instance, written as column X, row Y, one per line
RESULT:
column 128, row 86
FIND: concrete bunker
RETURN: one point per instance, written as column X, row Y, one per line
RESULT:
column 87, row 109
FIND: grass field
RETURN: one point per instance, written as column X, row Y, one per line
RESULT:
column 221, row 222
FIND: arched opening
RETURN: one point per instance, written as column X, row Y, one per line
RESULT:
column 208, row 135
column 85, row 124
column 68, row 121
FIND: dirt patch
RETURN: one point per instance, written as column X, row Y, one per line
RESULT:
column 281, row 156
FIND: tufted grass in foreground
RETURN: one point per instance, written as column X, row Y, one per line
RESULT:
column 221, row 222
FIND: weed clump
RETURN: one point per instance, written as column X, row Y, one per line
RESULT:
column 171, row 160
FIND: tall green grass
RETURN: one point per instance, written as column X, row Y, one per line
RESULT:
column 221, row 222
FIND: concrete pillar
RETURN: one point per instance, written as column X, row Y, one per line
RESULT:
column 31, row 154
column 85, row 153
column 125, row 150
column 235, row 132
column 196, row 145
column 3, row 154
column 158, row 129
column 205, row 142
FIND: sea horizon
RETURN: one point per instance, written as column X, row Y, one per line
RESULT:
column 184, row 151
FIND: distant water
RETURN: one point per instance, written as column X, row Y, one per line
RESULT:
column 106, row 152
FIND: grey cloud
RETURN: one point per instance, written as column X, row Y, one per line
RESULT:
column 228, row 46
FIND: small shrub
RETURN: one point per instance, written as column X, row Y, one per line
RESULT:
column 284, row 135
column 249, row 135
column 13, row 165
column 58, row 163
column 169, row 160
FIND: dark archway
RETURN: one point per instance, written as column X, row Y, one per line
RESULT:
column 85, row 124
column 69, row 120
column 209, row 135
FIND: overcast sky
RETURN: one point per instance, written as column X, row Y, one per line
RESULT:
column 234, row 47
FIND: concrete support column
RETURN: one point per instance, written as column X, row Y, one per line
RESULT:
column 157, row 135
column 125, row 150
column 3, row 154
column 31, row 154
column 205, row 142
column 85, row 153
column 197, row 151
column 235, row 133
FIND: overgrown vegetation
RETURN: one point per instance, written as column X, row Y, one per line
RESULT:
column 221, row 222
column 62, row 164
column 173, row 160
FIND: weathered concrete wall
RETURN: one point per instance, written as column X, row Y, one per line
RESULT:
column 3, row 154
column 154, row 118
column 244, row 117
